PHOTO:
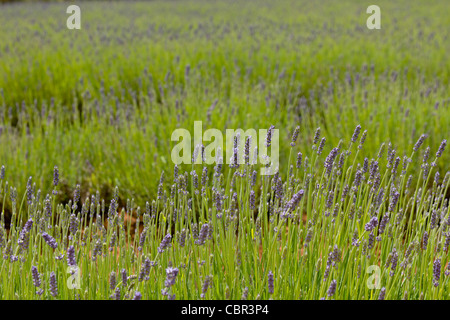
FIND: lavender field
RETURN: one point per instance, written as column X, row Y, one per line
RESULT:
column 94, row 207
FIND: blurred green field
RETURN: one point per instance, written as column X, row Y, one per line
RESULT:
column 101, row 102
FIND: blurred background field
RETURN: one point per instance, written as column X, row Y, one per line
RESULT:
column 101, row 102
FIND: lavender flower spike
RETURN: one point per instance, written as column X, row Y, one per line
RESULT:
column 441, row 148
column 356, row 133
column 270, row 282
column 71, row 257
column 53, row 285
column 50, row 240
column 36, row 276
column 332, row 288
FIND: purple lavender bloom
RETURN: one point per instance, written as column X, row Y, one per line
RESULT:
column 36, row 276
column 316, row 136
column 295, row 135
column 2, row 173
column 112, row 280
column 116, row 295
column 49, row 240
column 24, row 235
column 419, row 142
column 252, row 200
column 245, row 294
column 137, row 296
column 332, row 288
column 53, row 285
column 394, row 261
column 441, row 148
column 383, row 223
column 171, row 275
column 76, row 197
column 437, row 271
column 205, row 286
column 373, row 223
column 204, row 176
column 299, row 160
column 330, row 159
column 55, row 176
column 356, row 133
column 145, row 269
column 269, row 136
column 425, row 241
column 202, row 236
column 293, row 203
column 165, row 243
column 363, row 139
column 322, row 144
column 123, row 273
column 270, row 282
column 248, row 142
column 382, row 294
column 142, row 239
column 71, row 256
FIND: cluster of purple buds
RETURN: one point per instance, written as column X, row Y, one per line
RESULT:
column 50, row 240
column 356, row 133
column 269, row 136
column 53, row 285
column 382, row 294
column 24, row 234
column 330, row 159
column 419, row 142
column 441, row 148
column 394, row 260
column 137, row 296
column 332, row 288
column 165, row 243
column 316, row 136
column 373, row 223
column 270, row 282
column 145, row 270
column 202, row 236
column 321, row 145
column 71, row 256
column 436, row 271
column 205, row 286
column 171, row 275
column 36, row 276
column 295, row 135
column 112, row 280
column 252, row 200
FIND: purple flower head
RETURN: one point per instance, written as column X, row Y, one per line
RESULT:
column 165, row 243
column 295, row 135
column 49, row 240
column 53, row 285
column 269, row 136
column 321, row 145
column 112, row 280
column 316, row 136
column 441, row 148
column 382, row 294
column 2, row 173
column 436, row 271
column 356, row 133
column 332, row 288
column 137, row 296
column 55, row 176
column 36, row 276
column 270, row 282
column 203, row 233
column 71, row 256
column 419, row 142
column 373, row 223
column 206, row 285
column 252, row 200
column 330, row 159
column 171, row 275
column 299, row 160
